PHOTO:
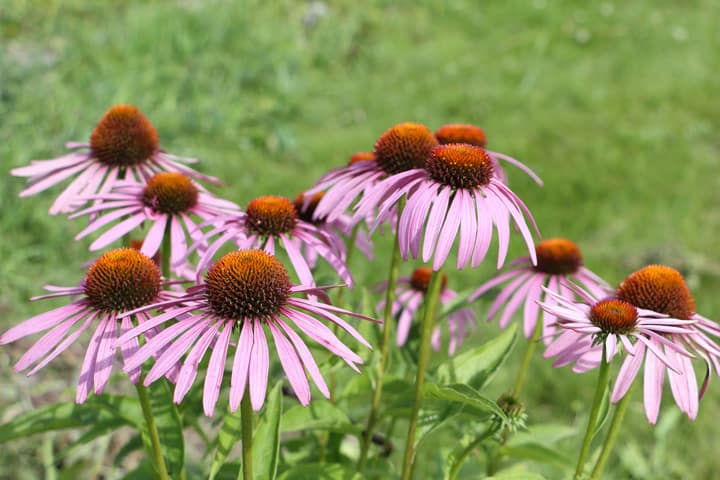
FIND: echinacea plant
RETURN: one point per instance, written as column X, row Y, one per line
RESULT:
column 212, row 304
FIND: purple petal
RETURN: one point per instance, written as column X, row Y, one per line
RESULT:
column 305, row 356
column 259, row 365
column 106, row 353
column 216, row 369
column 652, row 386
column 238, row 378
column 42, row 321
column 189, row 368
column 291, row 365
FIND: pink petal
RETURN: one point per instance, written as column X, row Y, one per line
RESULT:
column 652, row 386
column 259, row 365
column 216, row 369
column 238, row 378
column 291, row 365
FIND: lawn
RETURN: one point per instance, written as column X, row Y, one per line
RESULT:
column 612, row 103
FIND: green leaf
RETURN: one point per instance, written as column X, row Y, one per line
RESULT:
column 169, row 426
column 475, row 403
column 230, row 433
column 321, row 471
column 319, row 415
column 476, row 367
column 266, row 439
column 538, row 453
column 57, row 416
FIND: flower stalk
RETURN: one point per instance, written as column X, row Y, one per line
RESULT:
column 527, row 357
column 393, row 275
column 615, row 426
column 431, row 301
column 246, row 418
column 603, row 373
column 152, row 430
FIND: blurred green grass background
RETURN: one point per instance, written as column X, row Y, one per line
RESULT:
column 612, row 103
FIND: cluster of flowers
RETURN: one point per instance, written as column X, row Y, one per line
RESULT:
column 437, row 190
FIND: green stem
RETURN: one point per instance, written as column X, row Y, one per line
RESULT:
column 527, row 358
column 246, row 416
column 594, row 412
column 165, row 252
column 384, row 348
column 431, row 301
column 460, row 460
column 611, row 436
column 152, row 429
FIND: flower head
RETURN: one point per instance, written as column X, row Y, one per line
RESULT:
column 245, row 294
column 474, row 135
column 409, row 296
column 657, row 339
column 119, row 281
column 168, row 202
column 269, row 220
column 123, row 143
column 455, row 195
column 403, row 147
column 558, row 259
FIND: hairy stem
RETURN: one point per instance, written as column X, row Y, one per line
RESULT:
column 384, row 348
column 611, row 436
column 152, row 430
column 431, row 301
column 246, row 416
column 527, row 358
column 594, row 412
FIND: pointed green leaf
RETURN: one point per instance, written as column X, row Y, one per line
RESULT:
column 476, row 367
column 266, row 439
column 169, row 425
column 230, row 433
column 57, row 416
column 474, row 403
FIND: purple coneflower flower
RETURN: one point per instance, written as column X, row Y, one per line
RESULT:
column 456, row 194
column 247, row 291
column 119, row 281
column 473, row 135
column 557, row 259
column 166, row 202
column 341, row 225
column 272, row 219
column 124, row 141
column 409, row 296
column 402, row 147
column 664, row 337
